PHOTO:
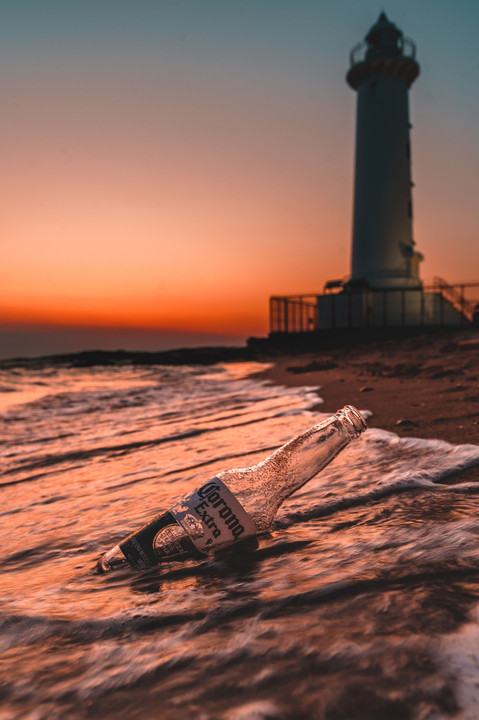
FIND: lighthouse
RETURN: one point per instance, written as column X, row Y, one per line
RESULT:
column 382, row 70
column 384, row 289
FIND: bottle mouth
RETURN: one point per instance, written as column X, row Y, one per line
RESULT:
column 355, row 423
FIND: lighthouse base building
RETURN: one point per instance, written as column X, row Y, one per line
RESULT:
column 438, row 305
column 384, row 288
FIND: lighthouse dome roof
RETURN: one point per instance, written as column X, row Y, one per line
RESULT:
column 383, row 30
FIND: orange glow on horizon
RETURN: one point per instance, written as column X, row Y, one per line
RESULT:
column 132, row 263
column 224, row 322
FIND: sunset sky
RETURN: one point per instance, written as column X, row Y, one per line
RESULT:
column 167, row 165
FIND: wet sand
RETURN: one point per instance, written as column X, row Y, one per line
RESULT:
column 425, row 386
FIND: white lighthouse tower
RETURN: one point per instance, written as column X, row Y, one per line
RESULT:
column 383, row 67
column 384, row 289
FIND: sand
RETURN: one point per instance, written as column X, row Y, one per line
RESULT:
column 424, row 386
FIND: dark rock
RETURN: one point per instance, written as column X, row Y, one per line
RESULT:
column 313, row 366
column 454, row 372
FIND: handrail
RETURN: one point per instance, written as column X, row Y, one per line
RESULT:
column 457, row 299
column 358, row 51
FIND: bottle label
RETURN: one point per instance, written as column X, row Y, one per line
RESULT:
column 212, row 516
column 161, row 540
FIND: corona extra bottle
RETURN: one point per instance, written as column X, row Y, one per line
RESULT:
column 236, row 504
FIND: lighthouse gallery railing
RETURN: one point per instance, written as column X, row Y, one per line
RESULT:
column 357, row 54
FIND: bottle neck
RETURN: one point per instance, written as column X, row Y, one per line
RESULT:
column 297, row 462
column 262, row 488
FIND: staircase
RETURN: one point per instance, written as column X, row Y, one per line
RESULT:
column 456, row 299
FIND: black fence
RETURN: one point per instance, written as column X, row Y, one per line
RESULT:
column 439, row 304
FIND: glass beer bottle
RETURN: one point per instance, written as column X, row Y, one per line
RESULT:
column 236, row 504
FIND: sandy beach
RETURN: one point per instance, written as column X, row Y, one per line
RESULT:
column 425, row 386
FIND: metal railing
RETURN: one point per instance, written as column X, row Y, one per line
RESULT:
column 455, row 295
column 293, row 313
column 435, row 305
column 406, row 47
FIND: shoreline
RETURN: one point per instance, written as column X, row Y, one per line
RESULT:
column 424, row 386
column 204, row 355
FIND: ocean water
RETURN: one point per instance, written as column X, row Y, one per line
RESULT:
column 362, row 602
